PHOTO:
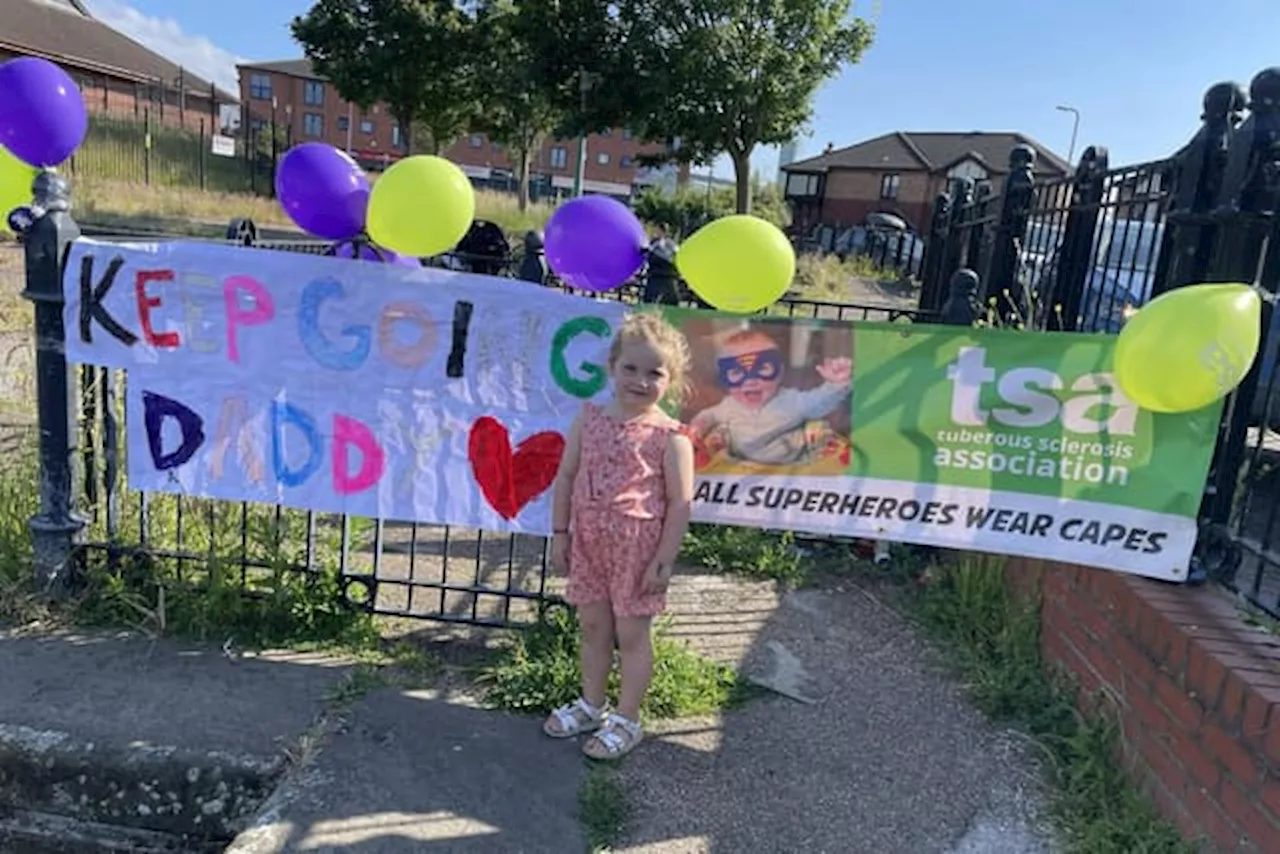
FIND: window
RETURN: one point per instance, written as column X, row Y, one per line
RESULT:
column 626, row 133
column 889, row 186
column 313, row 124
column 800, row 185
column 260, row 87
column 477, row 141
column 313, row 93
column 559, row 157
column 366, row 126
column 626, row 161
column 343, row 123
column 396, row 140
column 603, row 158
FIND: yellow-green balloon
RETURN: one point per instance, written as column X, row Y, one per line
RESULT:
column 1189, row 347
column 738, row 263
column 422, row 206
column 16, row 178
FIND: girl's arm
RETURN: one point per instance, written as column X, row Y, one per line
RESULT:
column 677, row 470
column 564, row 478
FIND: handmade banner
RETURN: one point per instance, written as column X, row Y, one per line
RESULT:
column 442, row 397
column 338, row 385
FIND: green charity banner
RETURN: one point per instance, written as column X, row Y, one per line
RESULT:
column 991, row 440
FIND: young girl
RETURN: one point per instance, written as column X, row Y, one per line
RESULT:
column 621, row 506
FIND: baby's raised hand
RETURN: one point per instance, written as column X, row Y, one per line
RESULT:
column 836, row 371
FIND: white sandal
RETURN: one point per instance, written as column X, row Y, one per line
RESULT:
column 573, row 719
column 615, row 739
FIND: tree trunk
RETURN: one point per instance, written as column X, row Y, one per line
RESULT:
column 522, row 178
column 742, row 175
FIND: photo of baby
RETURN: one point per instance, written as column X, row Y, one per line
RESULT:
column 768, row 396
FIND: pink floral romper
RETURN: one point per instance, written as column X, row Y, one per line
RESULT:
column 618, row 504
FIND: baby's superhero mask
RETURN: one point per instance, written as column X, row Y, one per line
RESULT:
column 759, row 365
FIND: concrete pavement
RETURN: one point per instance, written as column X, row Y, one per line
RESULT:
column 873, row 748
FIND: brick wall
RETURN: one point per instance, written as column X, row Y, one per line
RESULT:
column 1196, row 691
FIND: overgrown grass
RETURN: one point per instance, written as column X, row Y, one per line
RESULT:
column 124, row 204
column 749, row 552
column 826, row 277
column 993, row 637
column 538, row 671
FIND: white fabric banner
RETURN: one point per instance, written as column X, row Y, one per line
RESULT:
column 339, row 385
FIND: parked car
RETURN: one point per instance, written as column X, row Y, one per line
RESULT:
column 1125, row 253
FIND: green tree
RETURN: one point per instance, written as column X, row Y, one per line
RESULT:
column 727, row 76
column 516, row 106
column 413, row 55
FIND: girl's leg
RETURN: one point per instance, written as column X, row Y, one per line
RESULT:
column 635, row 642
column 597, row 625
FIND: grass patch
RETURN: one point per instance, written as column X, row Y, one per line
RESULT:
column 993, row 637
column 748, row 552
column 602, row 807
column 826, row 277
column 204, row 594
column 538, row 671
column 125, row 204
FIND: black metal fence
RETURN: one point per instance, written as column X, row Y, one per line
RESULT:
column 894, row 250
column 1079, row 254
column 90, row 519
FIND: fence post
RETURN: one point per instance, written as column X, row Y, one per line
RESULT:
column 1246, row 249
column 962, row 211
column 146, row 146
column 961, row 307
column 55, row 529
column 202, row 153
column 1075, row 255
column 1199, row 169
column 935, row 250
column 977, row 244
column 1002, row 281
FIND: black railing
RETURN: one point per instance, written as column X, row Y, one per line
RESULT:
column 1079, row 254
column 92, row 520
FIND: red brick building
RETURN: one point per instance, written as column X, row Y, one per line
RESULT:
column 292, row 94
column 902, row 173
column 118, row 76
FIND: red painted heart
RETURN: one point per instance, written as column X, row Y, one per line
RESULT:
column 511, row 479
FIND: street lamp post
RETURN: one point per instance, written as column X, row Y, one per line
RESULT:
column 1075, row 127
column 585, row 82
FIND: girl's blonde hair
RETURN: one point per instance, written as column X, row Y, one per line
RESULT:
column 653, row 329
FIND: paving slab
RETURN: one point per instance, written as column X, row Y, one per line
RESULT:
column 872, row 749
column 150, row 734
column 413, row 771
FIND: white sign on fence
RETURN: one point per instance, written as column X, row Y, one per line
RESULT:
column 223, row 146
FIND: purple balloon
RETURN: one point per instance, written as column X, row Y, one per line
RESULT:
column 43, row 119
column 323, row 190
column 594, row 243
column 368, row 253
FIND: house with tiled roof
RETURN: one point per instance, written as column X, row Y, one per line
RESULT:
column 902, row 173
column 118, row 75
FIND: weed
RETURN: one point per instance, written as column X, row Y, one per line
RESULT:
column 19, row 501
column 993, row 636
column 538, row 671
column 749, row 552
column 602, row 807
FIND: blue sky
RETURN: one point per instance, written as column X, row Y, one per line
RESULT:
column 1135, row 69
